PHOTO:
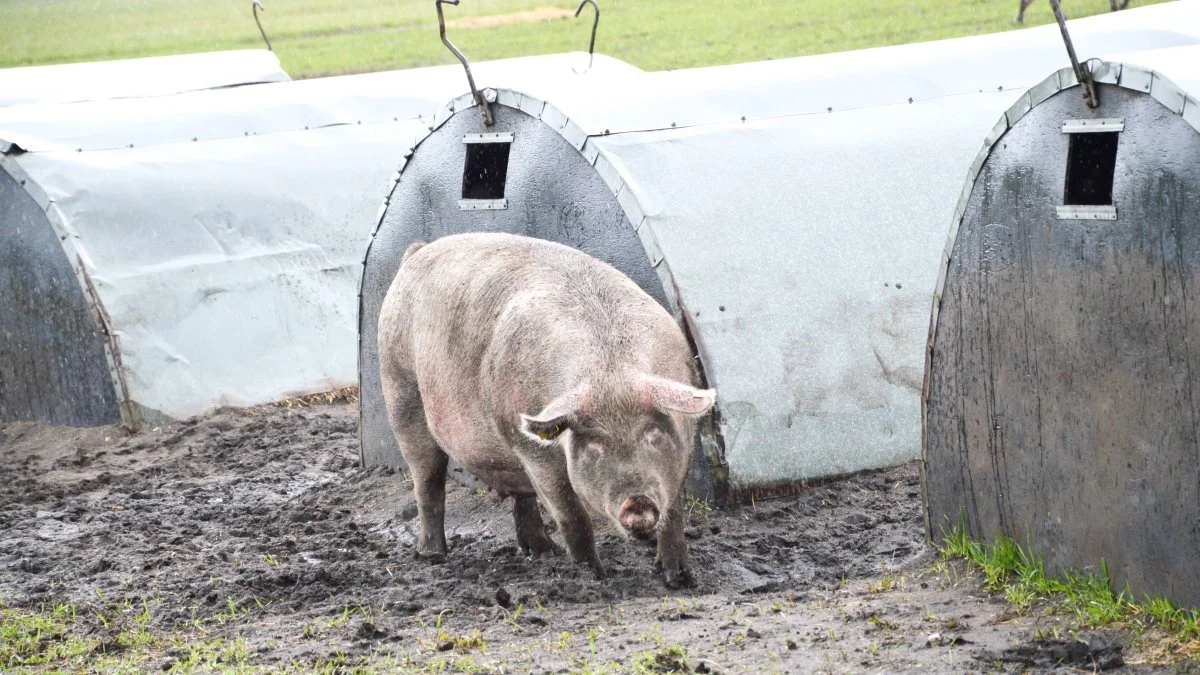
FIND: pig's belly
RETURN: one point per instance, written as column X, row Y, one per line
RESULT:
column 504, row 481
column 470, row 441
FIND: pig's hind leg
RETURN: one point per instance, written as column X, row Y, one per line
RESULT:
column 426, row 460
column 531, row 531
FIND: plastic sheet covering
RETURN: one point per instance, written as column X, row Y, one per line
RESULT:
column 154, row 76
column 1001, row 62
column 224, row 230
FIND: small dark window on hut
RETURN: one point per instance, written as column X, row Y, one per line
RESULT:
column 485, row 171
column 1091, row 163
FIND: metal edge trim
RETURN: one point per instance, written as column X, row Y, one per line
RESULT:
column 1080, row 212
column 77, row 258
column 1096, row 126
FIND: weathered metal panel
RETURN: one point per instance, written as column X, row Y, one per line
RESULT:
column 1062, row 403
column 52, row 362
column 553, row 194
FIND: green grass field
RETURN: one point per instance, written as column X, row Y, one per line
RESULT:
column 319, row 37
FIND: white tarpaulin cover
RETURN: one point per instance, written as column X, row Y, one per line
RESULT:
column 798, row 210
column 153, row 76
column 224, row 230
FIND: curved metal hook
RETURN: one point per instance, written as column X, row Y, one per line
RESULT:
column 257, row 6
column 595, row 25
column 479, row 100
column 1083, row 74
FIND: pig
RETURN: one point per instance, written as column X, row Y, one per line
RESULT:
column 550, row 376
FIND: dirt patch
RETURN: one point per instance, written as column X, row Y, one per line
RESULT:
column 266, row 510
column 530, row 16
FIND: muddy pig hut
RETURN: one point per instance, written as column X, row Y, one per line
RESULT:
column 1060, row 403
column 160, row 256
column 790, row 214
column 153, row 76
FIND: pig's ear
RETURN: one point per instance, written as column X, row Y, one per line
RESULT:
column 546, row 426
column 545, row 431
column 670, row 396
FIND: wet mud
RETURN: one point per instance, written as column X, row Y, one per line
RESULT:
column 262, row 517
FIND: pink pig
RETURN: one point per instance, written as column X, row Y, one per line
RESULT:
column 548, row 375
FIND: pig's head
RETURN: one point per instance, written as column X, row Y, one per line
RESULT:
column 627, row 445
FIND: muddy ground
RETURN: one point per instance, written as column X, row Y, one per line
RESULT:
column 259, row 523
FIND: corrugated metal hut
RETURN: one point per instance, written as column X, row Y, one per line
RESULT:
column 161, row 256
column 790, row 214
column 1061, row 404
column 126, row 78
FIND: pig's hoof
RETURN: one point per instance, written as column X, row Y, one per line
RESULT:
column 678, row 577
column 599, row 571
column 431, row 557
column 536, row 551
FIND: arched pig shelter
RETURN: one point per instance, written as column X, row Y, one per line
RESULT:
column 1061, row 402
column 152, row 76
column 161, row 256
column 790, row 214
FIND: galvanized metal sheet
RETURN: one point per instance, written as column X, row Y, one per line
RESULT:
column 52, row 364
column 1060, row 407
column 130, row 78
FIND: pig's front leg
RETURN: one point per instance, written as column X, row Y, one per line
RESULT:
column 573, row 520
column 672, row 556
column 576, row 527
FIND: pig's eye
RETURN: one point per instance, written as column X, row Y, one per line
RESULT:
column 595, row 448
column 652, row 435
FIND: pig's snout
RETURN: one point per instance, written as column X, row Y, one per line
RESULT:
column 639, row 515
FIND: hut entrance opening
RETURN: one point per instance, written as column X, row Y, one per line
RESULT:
column 485, row 170
column 1091, row 165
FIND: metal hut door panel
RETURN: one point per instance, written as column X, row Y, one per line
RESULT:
column 1063, row 403
column 550, row 192
column 52, row 363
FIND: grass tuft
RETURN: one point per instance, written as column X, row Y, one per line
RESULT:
column 1170, row 632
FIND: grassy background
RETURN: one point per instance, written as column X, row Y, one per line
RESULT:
column 320, row 37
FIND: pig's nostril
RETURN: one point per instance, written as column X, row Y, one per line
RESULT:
column 639, row 514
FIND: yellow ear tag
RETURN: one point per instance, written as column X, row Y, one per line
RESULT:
column 550, row 435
